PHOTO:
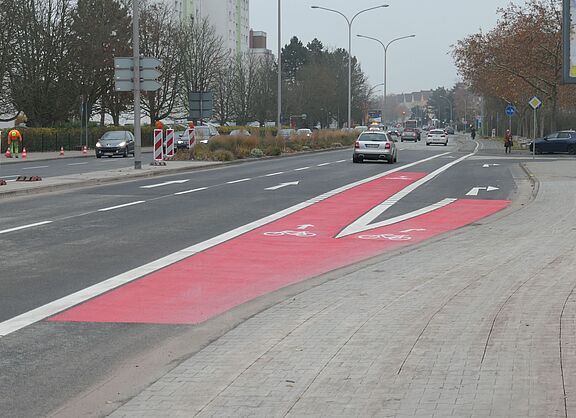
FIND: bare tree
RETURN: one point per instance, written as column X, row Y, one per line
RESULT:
column 6, row 48
column 243, row 87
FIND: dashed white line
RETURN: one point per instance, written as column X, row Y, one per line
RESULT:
column 323, row 164
column 18, row 228
column 191, row 191
column 33, row 168
column 340, row 161
column 166, row 183
column 78, row 163
column 301, row 168
column 121, row 206
column 274, row 174
column 238, row 181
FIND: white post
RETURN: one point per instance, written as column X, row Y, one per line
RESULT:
column 136, row 81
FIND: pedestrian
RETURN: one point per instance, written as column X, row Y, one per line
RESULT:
column 473, row 132
column 14, row 137
column 508, row 142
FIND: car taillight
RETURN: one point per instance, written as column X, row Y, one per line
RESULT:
column 387, row 146
column 357, row 144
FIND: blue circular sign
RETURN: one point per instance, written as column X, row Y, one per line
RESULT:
column 510, row 110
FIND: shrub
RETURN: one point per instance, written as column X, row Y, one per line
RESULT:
column 223, row 155
column 256, row 153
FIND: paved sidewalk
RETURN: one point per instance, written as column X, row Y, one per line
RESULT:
column 480, row 323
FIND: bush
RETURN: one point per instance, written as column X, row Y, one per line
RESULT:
column 256, row 153
column 223, row 155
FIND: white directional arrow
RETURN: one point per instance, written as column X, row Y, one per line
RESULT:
column 490, row 165
column 475, row 190
column 166, row 183
column 306, row 226
column 281, row 185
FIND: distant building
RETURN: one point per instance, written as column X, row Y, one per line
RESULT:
column 257, row 44
column 230, row 19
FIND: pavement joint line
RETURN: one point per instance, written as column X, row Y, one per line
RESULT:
column 25, row 319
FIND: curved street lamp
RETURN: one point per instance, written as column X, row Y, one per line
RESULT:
column 385, row 47
column 449, row 104
column 349, row 21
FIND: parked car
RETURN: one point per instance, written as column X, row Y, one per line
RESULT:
column 203, row 133
column 239, row 132
column 409, row 134
column 563, row 141
column 304, row 132
column 286, row 133
column 374, row 145
column 360, row 128
column 437, row 136
column 180, row 141
column 449, row 130
column 115, row 143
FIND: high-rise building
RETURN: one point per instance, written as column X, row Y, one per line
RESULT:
column 230, row 19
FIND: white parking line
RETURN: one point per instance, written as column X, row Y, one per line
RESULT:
column 18, row 228
column 238, row 181
column 191, row 191
column 33, row 168
column 302, row 168
column 274, row 174
column 121, row 206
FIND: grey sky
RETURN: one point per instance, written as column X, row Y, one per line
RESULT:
column 420, row 63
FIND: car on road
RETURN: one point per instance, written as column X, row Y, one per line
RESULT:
column 203, row 133
column 239, row 132
column 304, row 132
column 409, row 134
column 449, row 130
column 562, row 141
column 361, row 128
column 437, row 136
column 286, row 133
column 375, row 145
column 394, row 134
column 115, row 143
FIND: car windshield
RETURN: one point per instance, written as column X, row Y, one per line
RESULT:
column 436, row 131
column 115, row 136
column 374, row 137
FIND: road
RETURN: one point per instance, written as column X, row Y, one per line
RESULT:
column 56, row 245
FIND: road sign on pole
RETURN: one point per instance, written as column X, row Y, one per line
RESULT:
column 510, row 110
column 534, row 103
column 201, row 104
column 124, row 74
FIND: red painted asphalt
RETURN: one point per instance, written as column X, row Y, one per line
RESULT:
column 220, row 278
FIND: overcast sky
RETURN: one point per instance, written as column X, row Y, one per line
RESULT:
column 419, row 63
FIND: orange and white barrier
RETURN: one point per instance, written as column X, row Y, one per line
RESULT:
column 24, row 155
column 158, row 145
column 191, row 137
column 61, row 151
column 84, row 150
column 169, row 142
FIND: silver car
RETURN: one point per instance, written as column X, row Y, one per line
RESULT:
column 375, row 145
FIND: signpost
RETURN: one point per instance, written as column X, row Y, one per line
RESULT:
column 534, row 103
column 201, row 105
column 510, row 110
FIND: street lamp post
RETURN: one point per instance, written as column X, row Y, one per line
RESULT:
column 449, row 104
column 385, row 47
column 350, row 21
column 279, row 111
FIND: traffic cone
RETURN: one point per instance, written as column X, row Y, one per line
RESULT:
column 8, row 153
column 24, row 153
column 61, row 151
column 84, row 150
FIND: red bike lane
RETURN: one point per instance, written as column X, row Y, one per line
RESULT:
column 297, row 247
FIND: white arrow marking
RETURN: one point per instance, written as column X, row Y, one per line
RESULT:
column 490, row 165
column 292, row 183
column 305, row 226
column 475, row 190
column 410, row 230
column 152, row 186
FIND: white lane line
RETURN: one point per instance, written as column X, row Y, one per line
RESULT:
column 78, row 163
column 166, row 183
column 274, row 174
column 34, row 168
column 11, row 175
column 18, row 228
column 121, row 206
column 301, row 168
column 191, row 191
column 323, row 164
column 28, row 318
column 238, row 181
column 340, row 161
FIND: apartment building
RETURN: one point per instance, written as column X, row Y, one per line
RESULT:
column 230, row 18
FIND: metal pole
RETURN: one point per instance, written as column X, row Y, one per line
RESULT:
column 136, row 60
column 349, row 74
column 534, row 138
column 385, row 82
column 279, row 109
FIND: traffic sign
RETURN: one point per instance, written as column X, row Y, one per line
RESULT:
column 149, row 62
column 145, row 85
column 510, row 110
column 123, row 63
column 124, row 73
column 535, row 102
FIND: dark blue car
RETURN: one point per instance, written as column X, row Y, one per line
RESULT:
column 563, row 141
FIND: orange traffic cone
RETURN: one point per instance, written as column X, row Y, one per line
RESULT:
column 24, row 153
column 8, row 153
column 61, row 151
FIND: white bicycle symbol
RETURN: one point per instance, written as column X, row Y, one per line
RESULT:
column 300, row 234
column 390, row 237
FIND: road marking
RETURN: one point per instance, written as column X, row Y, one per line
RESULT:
column 191, row 191
column 281, row 185
column 302, row 168
column 238, row 181
column 50, row 309
column 323, row 164
column 33, row 168
column 490, row 165
column 18, row 228
column 121, row 206
column 11, row 175
column 166, row 183
column 475, row 190
column 340, row 161
column 78, row 163
column 305, row 226
column 274, row 174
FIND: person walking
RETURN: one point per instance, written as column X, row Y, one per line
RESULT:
column 473, row 133
column 508, row 142
column 14, row 137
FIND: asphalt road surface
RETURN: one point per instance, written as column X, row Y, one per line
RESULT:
column 104, row 350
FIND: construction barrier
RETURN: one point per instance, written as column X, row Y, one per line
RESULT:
column 28, row 178
column 169, row 143
column 61, row 151
column 84, row 150
column 158, row 145
column 2, row 182
column 24, row 154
